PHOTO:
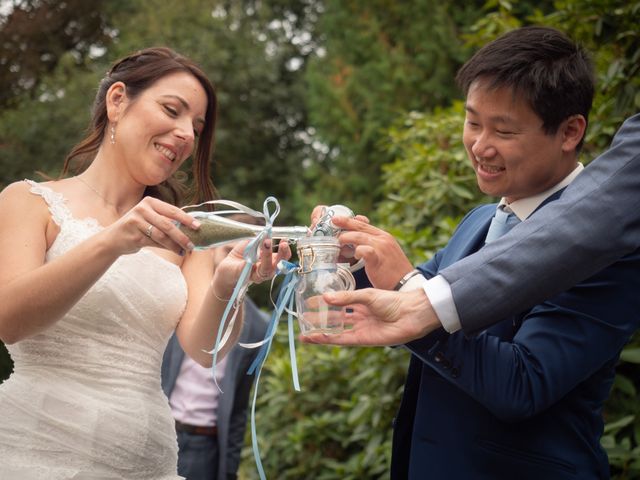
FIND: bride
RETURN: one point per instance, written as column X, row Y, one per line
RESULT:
column 96, row 276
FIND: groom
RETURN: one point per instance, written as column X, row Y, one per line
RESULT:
column 522, row 399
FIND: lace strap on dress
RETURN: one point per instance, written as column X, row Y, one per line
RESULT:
column 55, row 201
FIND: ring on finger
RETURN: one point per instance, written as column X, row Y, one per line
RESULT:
column 149, row 230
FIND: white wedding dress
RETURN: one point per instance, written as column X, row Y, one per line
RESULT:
column 84, row 401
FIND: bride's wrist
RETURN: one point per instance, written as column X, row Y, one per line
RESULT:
column 221, row 298
column 222, row 293
column 219, row 287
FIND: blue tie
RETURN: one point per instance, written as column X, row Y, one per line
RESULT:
column 501, row 223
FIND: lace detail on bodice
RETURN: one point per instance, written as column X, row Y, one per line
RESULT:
column 75, row 229
column 55, row 201
column 84, row 400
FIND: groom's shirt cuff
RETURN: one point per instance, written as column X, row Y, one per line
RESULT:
column 438, row 292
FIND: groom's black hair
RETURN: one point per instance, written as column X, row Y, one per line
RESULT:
column 543, row 65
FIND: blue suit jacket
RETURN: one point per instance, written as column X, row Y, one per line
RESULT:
column 524, row 398
column 236, row 385
column 595, row 223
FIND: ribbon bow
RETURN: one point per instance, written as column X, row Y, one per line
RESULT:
column 285, row 301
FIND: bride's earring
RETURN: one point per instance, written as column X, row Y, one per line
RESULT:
column 113, row 135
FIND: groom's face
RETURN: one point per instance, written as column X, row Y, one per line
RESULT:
column 510, row 152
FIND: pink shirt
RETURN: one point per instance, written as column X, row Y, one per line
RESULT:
column 194, row 398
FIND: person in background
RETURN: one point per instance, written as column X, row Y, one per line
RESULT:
column 211, row 422
column 523, row 398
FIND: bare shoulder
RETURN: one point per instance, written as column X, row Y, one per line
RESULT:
column 16, row 188
column 23, row 237
column 17, row 193
column 17, row 199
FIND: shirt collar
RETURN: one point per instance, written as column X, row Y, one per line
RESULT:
column 524, row 207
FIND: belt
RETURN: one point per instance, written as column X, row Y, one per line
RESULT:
column 197, row 430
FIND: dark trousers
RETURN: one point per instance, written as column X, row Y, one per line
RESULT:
column 197, row 456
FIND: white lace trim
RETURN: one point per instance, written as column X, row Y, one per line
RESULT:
column 56, row 202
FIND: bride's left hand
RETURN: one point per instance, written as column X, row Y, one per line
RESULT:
column 229, row 268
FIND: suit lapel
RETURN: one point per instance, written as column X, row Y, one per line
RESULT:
column 231, row 372
column 469, row 236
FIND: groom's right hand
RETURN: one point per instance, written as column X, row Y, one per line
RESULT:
column 374, row 317
column 384, row 260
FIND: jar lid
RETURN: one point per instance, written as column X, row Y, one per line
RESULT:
column 317, row 241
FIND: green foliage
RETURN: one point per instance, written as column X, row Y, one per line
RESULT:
column 38, row 135
column 339, row 426
column 6, row 365
column 378, row 59
column 430, row 185
column 36, row 34
column 621, row 436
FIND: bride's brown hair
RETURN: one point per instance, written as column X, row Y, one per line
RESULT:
column 138, row 72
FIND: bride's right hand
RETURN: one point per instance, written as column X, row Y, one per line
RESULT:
column 151, row 223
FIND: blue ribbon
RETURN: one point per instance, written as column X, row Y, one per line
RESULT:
column 285, row 301
column 250, row 254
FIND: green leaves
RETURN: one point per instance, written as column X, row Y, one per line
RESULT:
column 631, row 355
column 6, row 365
column 621, row 437
column 430, row 184
column 380, row 59
column 339, row 425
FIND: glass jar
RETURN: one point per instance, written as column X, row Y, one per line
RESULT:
column 319, row 273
